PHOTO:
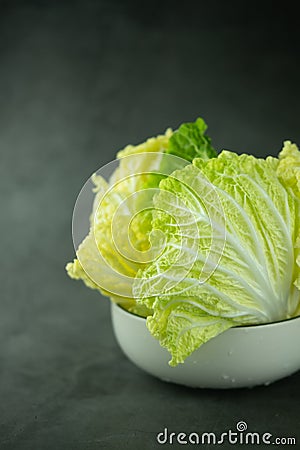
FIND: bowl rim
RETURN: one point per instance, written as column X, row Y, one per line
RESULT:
column 237, row 327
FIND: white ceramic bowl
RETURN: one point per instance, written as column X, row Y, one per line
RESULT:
column 239, row 357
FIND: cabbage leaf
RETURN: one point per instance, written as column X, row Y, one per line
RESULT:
column 231, row 255
column 110, row 266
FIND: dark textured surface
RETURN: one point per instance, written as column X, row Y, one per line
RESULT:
column 78, row 81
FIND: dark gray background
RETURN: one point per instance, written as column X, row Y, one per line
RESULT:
column 78, row 81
